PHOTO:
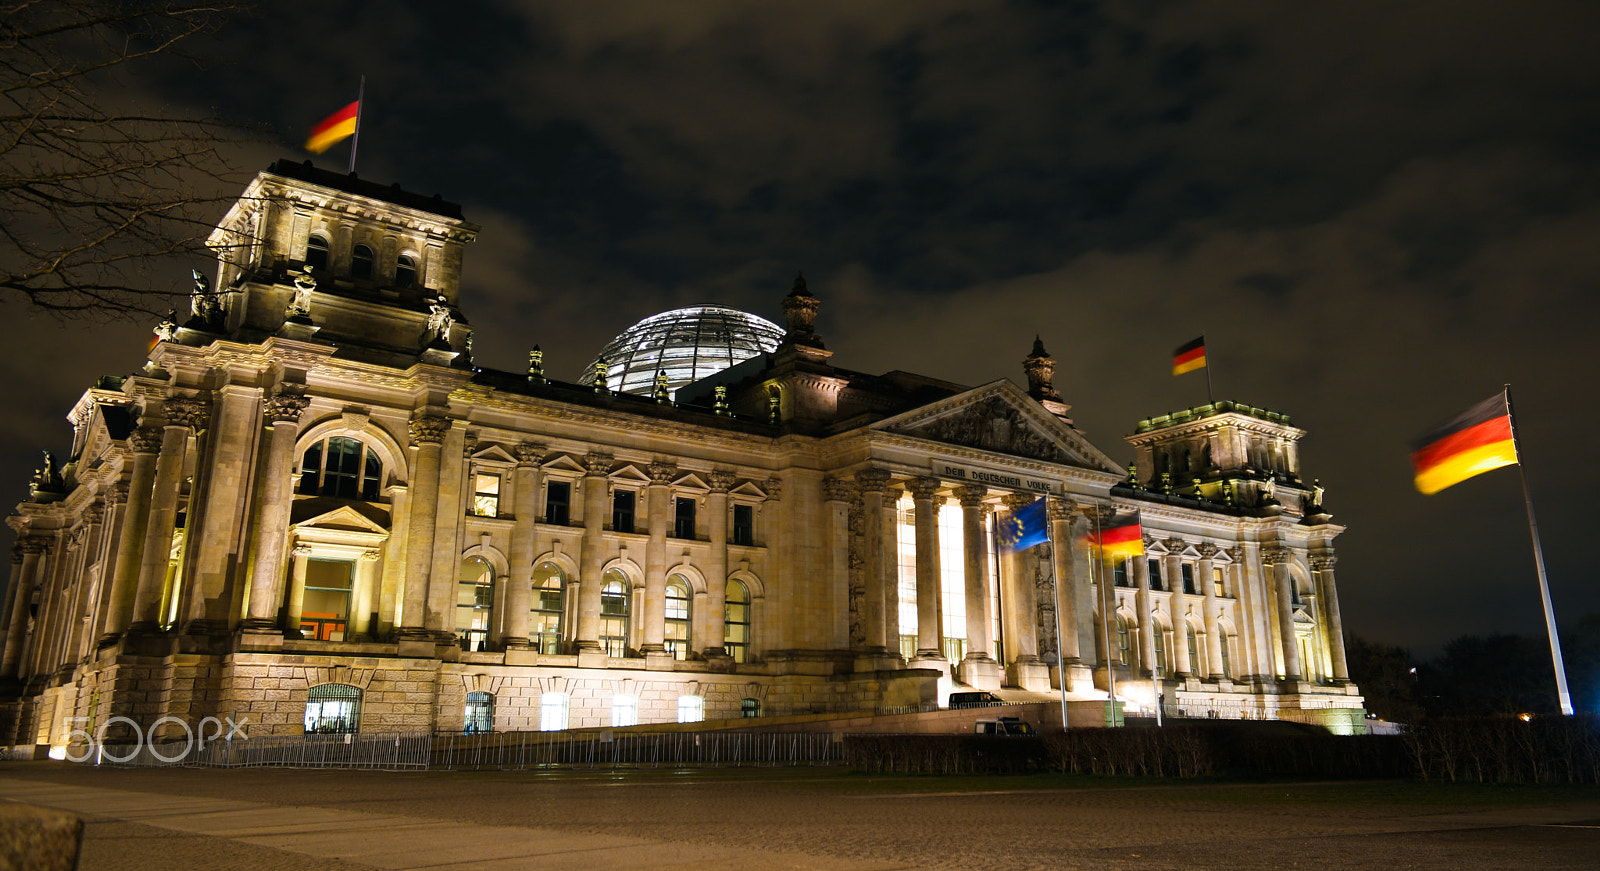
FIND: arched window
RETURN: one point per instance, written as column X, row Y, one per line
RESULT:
column 480, row 713
column 553, row 712
column 736, row 622
column 678, row 620
column 1222, row 648
column 474, row 603
column 1195, row 665
column 691, row 709
column 1159, row 636
column 624, row 710
column 614, row 613
column 333, row 708
column 361, row 263
column 549, row 588
column 1122, row 640
column 317, row 252
column 341, row 467
column 405, row 272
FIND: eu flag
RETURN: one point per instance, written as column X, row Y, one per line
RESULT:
column 1023, row 528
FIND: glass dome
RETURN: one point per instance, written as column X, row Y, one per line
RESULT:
column 686, row 344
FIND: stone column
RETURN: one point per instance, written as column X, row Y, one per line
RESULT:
column 295, row 606
column 23, row 581
column 1181, row 667
column 930, row 613
column 889, row 555
column 592, row 554
column 979, row 668
column 1277, row 559
column 525, row 506
column 1213, row 640
column 13, row 596
column 182, row 417
column 872, row 482
column 1323, row 565
column 143, row 445
column 427, row 435
column 83, row 607
column 658, row 513
column 836, row 493
column 277, row 497
column 215, row 533
column 717, row 563
column 1147, row 623
column 1021, row 620
column 364, row 602
column 1068, row 583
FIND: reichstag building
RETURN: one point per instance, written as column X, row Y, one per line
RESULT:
column 310, row 509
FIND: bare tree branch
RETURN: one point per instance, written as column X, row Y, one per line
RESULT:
column 91, row 192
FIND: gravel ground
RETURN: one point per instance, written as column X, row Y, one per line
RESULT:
column 988, row 823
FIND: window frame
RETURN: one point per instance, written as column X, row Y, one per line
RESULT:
column 357, row 271
column 691, row 709
column 618, row 515
column 737, row 649
column 471, row 638
column 679, row 647
column 548, row 642
column 318, row 241
column 405, row 263
column 368, row 475
column 679, row 516
column 550, row 516
column 345, row 718
column 483, row 707
column 615, row 643
column 748, row 529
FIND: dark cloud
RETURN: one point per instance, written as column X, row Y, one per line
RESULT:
column 1377, row 212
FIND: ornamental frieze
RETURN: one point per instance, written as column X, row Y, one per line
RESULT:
column 993, row 425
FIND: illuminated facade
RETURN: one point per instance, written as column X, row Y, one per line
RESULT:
column 309, row 509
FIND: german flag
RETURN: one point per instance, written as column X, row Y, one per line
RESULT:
column 1120, row 537
column 335, row 128
column 1477, row 441
column 1189, row 356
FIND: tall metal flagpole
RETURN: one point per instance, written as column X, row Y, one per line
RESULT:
column 361, row 106
column 1061, row 665
column 1107, row 599
column 1538, row 561
column 1211, row 398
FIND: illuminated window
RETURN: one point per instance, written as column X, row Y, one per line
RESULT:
column 1122, row 640
column 405, row 272
column 906, row 582
column 1195, row 665
column 691, row 709
column 557, row 502
column 1216, row 582
column 341, row 467
column 678, row 623
column 480, row 713
column 952, row 581
column 614, row 613
column 326, row 604
column 744, row 525
column 361, row 263
column 317, row 252
column 624, row 710
column 549, row 587
column 683, row 519
column 474, row 603
column 749, row 708
column 736, row 622
column 333, row 708
column 1158, row 637
column 553, row 711
column 1222, row 648
column 486, row 495
column 622, row 505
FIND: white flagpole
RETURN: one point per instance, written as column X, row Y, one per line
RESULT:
column 1538, row 562
column 1061, row 666
column 361, row 106
column 1108, row 599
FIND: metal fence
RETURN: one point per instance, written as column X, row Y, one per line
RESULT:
column 401, row 751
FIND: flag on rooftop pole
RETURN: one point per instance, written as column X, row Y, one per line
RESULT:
column 1190, row 356
column 1483, row 438
column 339, row 126
column 1024, row 528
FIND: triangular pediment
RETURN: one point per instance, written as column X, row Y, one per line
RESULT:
column 564, row 463
column 1000, row 418
column 494, row 454
column 748, row 488
column 352, row 517
column 691, row 481
column 630, row 472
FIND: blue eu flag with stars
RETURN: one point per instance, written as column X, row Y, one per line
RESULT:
column 1023, row 528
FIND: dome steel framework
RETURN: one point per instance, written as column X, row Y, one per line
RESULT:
column 686, row 344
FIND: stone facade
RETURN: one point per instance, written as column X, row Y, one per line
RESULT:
column 310, row 486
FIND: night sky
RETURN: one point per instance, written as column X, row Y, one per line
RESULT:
column 1377, row 213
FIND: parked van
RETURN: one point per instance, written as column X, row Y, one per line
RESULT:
column 974, row 700
column 1004, row 727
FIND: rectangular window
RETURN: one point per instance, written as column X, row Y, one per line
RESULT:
column 1216, row 582
column 744, row 525
column 1188, row 579
column 683, row 520
column 1119, row 574
column 486, row 496
column 691, row 709
column 557, row 501
column 624, row 710
column 1155, row 574
column 553, row 712
column 622, row 502
column 326, row 605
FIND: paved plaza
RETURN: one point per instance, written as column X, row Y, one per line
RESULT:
column 269, row 819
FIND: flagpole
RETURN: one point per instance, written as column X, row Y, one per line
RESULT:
column 1061, row 664
column 1538, row 561
column 1210, row 397
column 1107, row 599
column 355, row 140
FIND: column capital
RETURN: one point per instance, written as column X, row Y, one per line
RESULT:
column 16, row 554
column 774, row 488
column 117, row 493
column 597, row 464
column 187, row 413
column 663, row 472
column 94, row 513
column 428, row 429
column 924, row 487
column 286, row 407
column 721, row 481
column 872, row 480
column 1323, row 562
column 1175, row 546
column 33, row 545
column 835, row 489
column 1060, row 508
column 1207, row 549
column 301, row 550
column 145, row 440
column 1018, row 501
column 529, row 453
column 1276, row 554
column 971, row 495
